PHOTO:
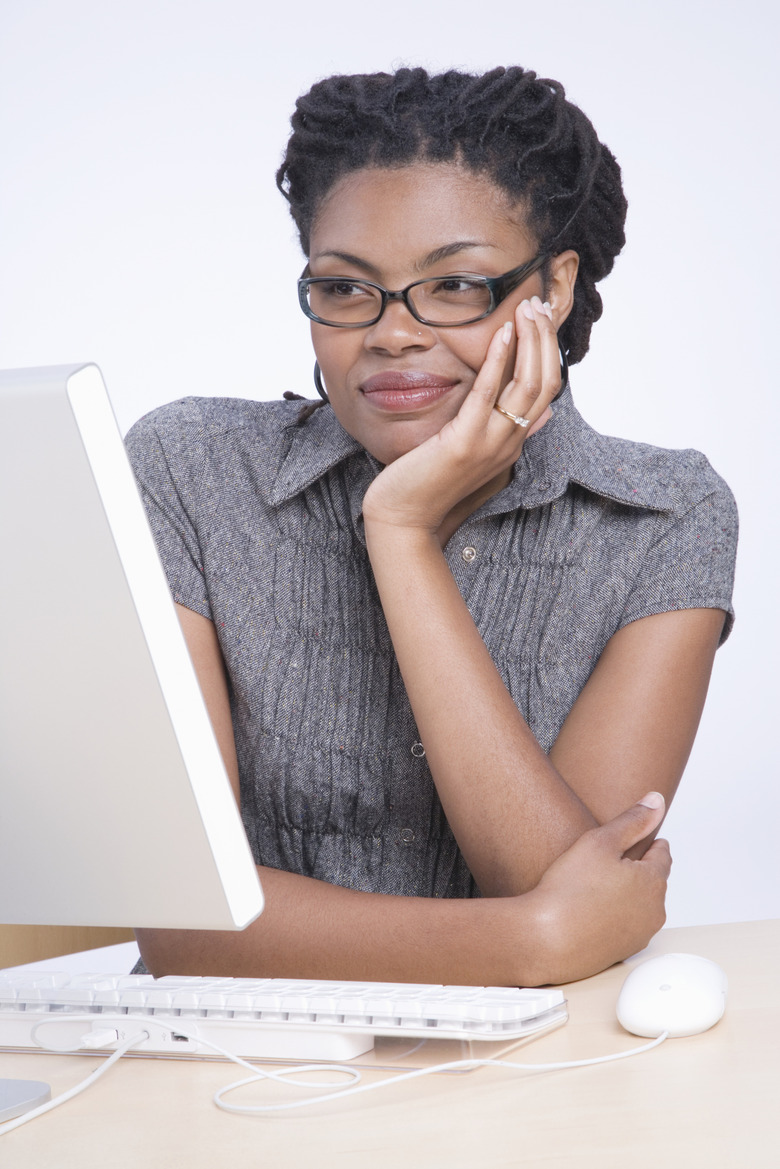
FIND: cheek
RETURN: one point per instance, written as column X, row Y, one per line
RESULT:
column 336, row 351
column 336, row 354
column 472, row 351
column 471, row 346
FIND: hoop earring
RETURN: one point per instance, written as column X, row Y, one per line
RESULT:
column 323, row 393
column 564, row 369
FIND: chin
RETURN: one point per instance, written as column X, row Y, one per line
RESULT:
column 400, row 436
column 390, row 449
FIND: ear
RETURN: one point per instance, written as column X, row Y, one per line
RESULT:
column 560, row 289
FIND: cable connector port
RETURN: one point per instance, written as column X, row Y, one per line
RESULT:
column 152, row 1036
column 100, row 1038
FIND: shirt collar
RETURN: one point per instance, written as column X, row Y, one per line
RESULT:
column 566, row 450
column 314, row 448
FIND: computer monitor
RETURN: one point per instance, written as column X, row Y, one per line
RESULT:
column 115, row 808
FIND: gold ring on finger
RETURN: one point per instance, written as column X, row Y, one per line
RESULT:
column 516, row 418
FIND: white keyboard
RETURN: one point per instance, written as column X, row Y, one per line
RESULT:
column 266, row 1018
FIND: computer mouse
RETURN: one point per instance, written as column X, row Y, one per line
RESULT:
column 679, row 993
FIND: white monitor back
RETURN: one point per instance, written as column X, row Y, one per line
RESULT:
column 115, row 808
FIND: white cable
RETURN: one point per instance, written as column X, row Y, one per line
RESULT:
column 7, row 1125
column 442, row 1067
column 454, row 1065
column 284, row 1076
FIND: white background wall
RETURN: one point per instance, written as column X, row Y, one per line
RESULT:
column 141, row 228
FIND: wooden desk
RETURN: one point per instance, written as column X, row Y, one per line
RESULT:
column 706, row 1102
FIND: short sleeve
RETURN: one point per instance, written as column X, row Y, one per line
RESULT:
column 167, row 482
column 691, row 565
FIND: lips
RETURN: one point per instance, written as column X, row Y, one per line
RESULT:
column 406, row 389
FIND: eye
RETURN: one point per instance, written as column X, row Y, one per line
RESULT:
column 456, row 286
column 460, row 292
column 340, row 289
column 344, row 301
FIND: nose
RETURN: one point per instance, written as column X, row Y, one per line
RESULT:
column 397, row 331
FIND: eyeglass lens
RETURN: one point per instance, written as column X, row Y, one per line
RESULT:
column 447, row 301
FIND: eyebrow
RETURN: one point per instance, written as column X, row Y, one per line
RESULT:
column 443, row 253
column 434, row 257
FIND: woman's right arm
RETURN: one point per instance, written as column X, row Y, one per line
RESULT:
column 593, row 907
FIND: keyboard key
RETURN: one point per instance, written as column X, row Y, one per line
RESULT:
column 271, row 1018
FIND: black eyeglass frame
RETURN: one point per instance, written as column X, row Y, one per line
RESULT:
column 499, row 288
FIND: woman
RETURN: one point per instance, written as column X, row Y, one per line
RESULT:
column 447, row 634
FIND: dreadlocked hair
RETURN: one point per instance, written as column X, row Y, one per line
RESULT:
column 509, row 125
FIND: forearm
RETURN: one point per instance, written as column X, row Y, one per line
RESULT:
column 511, row 812
column 593, row 907
column 310, row 929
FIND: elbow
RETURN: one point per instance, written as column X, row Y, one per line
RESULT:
column 163, row 951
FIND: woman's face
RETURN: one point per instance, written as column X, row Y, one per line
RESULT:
column 395, row 383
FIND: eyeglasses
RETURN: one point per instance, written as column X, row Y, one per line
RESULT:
column 444, row 301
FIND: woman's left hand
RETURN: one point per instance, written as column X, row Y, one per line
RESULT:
column 476, row 449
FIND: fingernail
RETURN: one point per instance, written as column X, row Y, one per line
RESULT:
column 652, row 800
column 506, row 332
column 526, row 310
column 547, row 308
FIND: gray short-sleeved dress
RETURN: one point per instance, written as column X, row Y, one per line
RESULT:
column 257, row 519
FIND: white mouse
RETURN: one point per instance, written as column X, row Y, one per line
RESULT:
column 678, row 993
